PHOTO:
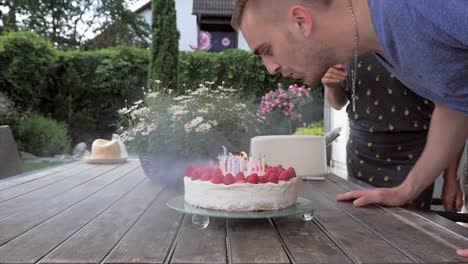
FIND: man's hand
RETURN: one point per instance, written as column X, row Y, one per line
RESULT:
column 446, row 138
column 463, row 252
column 452, row 196
column 386, row 196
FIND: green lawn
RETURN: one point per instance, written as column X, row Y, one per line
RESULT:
column 31, row 166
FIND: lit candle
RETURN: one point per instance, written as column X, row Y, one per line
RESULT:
column 221, row 163
column 227, row 165
column 234, row 165
column 263, row 166
column 231, row 164
column 241, row 161
column 257, row 166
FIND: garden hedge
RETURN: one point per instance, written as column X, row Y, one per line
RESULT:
column 236, row 68
column 85, row 88
column 27, row 64
column 91, row 86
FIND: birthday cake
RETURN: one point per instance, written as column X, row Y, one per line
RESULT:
column 240, row 183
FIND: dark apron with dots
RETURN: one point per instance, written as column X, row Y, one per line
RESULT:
column 388, row 130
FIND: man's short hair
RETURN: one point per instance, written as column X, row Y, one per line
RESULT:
column 239, row 7
column 238, row 12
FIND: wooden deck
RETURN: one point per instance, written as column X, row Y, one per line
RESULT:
column 81, row 213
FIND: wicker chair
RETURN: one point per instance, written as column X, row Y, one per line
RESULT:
column 10, row 162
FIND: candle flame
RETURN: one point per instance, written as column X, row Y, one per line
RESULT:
column 244, row 154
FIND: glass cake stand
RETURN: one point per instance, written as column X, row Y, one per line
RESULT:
column 201, row 216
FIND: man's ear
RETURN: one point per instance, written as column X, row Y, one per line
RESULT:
column 301, row 19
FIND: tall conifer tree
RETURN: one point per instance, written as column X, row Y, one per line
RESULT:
column 164, row 55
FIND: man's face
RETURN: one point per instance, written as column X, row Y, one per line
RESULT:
column 284, row 49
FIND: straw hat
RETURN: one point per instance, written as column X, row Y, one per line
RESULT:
column 105, row 152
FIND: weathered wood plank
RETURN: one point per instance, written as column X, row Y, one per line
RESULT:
column 440, row 233
column 418, row 243
column 30, row 186
column 92, row 243
column 25, row 201
column 351, row 183
column 254, row 241
column 151, row 238
column 20, row 179
column 39, row 241
column 307, row 243
column 195, row 245
column 355, row 239
column 428, row 218
column 19, row 223
column 415, row 216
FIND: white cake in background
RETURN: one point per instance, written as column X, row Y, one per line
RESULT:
column 307, row 154
column 241, row 197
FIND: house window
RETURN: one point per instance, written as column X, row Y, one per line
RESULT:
column 214, row 25
column 216, row 35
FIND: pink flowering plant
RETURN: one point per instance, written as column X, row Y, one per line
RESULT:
column 285, row 105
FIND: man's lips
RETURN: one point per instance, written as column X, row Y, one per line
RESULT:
column 296, row 76
column 293, row 75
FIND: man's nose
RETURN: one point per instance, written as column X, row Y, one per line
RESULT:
column 272, row 67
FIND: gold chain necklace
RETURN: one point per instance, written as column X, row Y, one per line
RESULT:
column 356, row 47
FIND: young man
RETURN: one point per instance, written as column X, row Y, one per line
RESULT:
column 303, row 38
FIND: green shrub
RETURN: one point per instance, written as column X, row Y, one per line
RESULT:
column 93, row 85
column 26, row 67
column 236, row 68
column 43, row 136
column 312, row 129
column 8, row 113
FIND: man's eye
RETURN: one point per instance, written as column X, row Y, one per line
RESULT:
column 267, row 51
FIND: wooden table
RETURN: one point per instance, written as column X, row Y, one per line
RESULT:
column 81, row 213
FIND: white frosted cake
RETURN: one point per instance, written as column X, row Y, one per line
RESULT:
column 211, row 188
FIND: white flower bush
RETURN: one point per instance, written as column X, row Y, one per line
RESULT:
column 194, row 124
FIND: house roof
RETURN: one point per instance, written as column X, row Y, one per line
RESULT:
column 203, row 7
column 145, row 6
column 213, row 7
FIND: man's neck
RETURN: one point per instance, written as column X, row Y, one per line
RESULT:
column 368, row 38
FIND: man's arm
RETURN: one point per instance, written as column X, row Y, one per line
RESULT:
column 446, row 138
column 333, row 81
column 452, row 196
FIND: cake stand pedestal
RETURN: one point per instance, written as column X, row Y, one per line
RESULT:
column 201, row 216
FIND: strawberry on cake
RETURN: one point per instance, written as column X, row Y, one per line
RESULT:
column 255, row 186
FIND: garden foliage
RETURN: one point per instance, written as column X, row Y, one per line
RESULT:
column 283, row 110
column 195, row 124
column 85, row 89
column 43, row 136
column 164, row 52
column 27, row 64
column 8, row 113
